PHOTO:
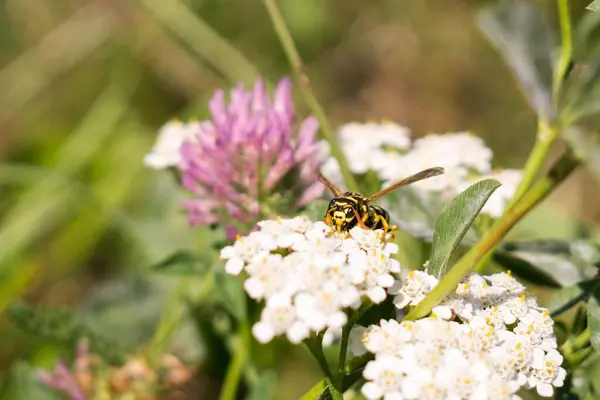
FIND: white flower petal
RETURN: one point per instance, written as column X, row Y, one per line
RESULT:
column 234, row 266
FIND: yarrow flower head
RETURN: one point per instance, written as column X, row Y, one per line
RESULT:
column 166, row 151
column 377, row 144
column 237, row 164
column 308, row 274
column 487, row 340
column 387, row 150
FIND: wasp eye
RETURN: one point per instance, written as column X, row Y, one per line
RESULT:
column 348, row 211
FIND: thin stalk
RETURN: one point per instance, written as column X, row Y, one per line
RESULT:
column 315, row 391
column 566, row 164
column 580, row 356
column 583, row 339
column 546, row 135
column 342, row 357
column 287, row 42
column 566, row 48
column 234, row 370
column 315, row 347
column 205, row 41
column 577, row 343
column 170, row 319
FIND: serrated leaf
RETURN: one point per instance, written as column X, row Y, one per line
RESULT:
column 586, row 146
column 542, row 268
column 61, row 327
column 264, row 387
column 232, row 293
column 182, row 263
column 594, row 6
column 593, row 318
column 127, row 309
column 567, row 297
column 454, row 222
column 521, row 33
column 579, row 255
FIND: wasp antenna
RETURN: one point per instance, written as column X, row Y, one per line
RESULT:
column 333, row 188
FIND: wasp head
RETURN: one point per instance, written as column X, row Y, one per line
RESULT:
column 342, row 212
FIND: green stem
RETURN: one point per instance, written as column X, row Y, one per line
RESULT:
column 353, row 374
column 236, row 367
column 566, row 48
column 314, row 392
column 315, row 345
column 546, row 135
column 565, row 165
column 579, row 356
column 577, row 343
column 170, row 319
column 583, row 339
column 293, row 56
column 342, row 357
column 205, row 41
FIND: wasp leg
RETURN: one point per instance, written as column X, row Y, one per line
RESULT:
column 328, row 221
column 388, row 228
column 359, row 219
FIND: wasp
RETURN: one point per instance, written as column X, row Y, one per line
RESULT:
column 346, row 210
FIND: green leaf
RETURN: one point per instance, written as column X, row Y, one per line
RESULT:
column 523, row 36
column 454, row 222
column 182, row 263
column 565, row 298
column 61, row 326
column 127, row 309
column 541, row 268
column 584, row 35
column 234, row 297
column 264, row 387
column 593, row 318
column 582, row 97
column 594, row 6
column 573, row 260
column 586, row 146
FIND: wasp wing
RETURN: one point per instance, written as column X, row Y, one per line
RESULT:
column 419, row 176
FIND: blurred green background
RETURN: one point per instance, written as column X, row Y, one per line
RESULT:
column 85, row 85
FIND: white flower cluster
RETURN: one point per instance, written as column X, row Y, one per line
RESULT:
column 386, row 149
column 171, row 136
column 367, row 147
column 487, row 340
column 307, row 274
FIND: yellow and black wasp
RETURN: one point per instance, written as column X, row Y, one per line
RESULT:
column 346, row 210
